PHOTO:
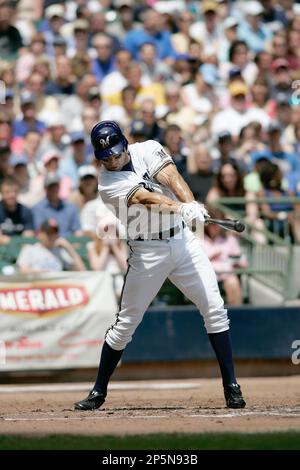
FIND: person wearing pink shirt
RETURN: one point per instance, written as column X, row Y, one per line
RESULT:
column 225, row 254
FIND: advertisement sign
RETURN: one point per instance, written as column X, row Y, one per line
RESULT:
column 54, row 321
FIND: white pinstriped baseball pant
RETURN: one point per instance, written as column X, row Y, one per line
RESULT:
column 185, row 263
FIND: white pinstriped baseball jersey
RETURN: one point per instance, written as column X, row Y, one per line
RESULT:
column 116, row 187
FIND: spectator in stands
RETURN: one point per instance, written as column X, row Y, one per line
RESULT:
column 252, row 181
column 95, row 100
column 59, row 48
column 293, row 181
column 239, row 58
column 287, row 161
column 79, row 40
column 263, row 62
column 208, row 32
column 7, row 102
column 289, row 136
column 99, row 25
column 200, row 95
column 30, row 189
column 86, row 198
column 6, row 135
column 52, row 206
column 81, row 64
column 73, row 106
column 260, row 96
column 296, row 144
column 152, row 31
column 54, row 15
column 26, row 61
column 51, row 161
column 8, row 78
column 176, row 112
column 175, row 146
column 152, row 67
column 137, row 131
column 30, row 151
column 88, row 186
column 5, row 153
column 125, row 21
column 64, row 82
column 124, row 112
column 282, row 218
column 29, row 121
column 109, row 253
column 90, row 117
column 281, row 78
column 238, row 115
column 52, row 253
column 15, row 219
column 117, row 79
column 252, row 30
column 55, row 139
column 279, row 46
column 251, row 141
column 10, row 37
column 147, row 114
column 273, row 13
column 69, row 166
column 104, row 63
column 200, row 180
column 225, row 254
column 181, row 38
column 224, row 152
column 230, row 25
column 282, row 110
column 135, row 80
column 45, row 104
column 184, row 69
column 293, row 49
column 229, row 183
column 43, row 66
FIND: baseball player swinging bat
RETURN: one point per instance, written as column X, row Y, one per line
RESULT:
column 229, row 224
column 144, row 176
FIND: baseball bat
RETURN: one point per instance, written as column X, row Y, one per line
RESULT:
column 230, row 224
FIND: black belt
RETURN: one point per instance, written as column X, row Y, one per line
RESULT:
column 162, row 235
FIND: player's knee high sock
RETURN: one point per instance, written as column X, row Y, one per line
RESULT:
column 221, row 344
column 108, row 362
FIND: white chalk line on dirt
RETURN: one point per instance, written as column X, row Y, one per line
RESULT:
column 281, row 414
column 86, row 387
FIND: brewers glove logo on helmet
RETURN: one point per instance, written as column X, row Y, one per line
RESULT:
column 105, row 142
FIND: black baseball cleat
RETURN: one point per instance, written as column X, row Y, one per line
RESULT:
column 93, row 401
column 233, row 396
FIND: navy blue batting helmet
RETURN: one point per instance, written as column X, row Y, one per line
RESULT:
column 107, row 140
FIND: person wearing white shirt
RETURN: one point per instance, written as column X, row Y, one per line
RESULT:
column 237, row 116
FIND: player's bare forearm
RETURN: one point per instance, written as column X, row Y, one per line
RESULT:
column 172, row 179
column 154, row 201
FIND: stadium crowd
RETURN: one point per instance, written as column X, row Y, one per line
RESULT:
column 217, row 83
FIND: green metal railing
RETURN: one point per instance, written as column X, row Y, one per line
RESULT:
column 270, row 263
